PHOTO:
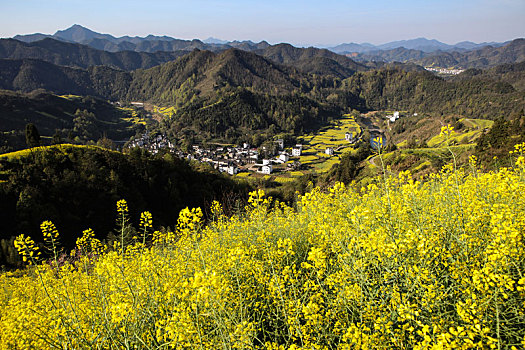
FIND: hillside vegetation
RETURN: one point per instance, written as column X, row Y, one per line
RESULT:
column 482, row 58
column 235, row 96
column 58, row 118
column 71, row 184
column 399, row 264
column 81, row 56
column 425, row 92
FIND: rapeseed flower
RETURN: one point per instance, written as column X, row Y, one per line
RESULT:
column 397, row 264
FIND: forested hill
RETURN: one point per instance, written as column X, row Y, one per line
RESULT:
column 82, row 56
column 83, row 118
column 28, row 74
column 200, row 71
column 425, row 92
column 71, row 184
column 313, row 60
column 204, row 72
column 513, row 74
column 309, row 60
column 485, row 57
column 202, row 77
column 198, row 74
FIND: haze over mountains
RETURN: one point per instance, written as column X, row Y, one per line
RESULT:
column 151, row 43
column 130, row 53
column 420, row 44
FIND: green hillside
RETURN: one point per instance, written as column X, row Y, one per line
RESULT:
column 70, row 184
column 74, row 118
column 75, row 55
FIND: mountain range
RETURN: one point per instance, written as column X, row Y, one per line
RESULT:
column 256, row 90
column 153, row 50
column 151, row 43
column 420, row 44
column 486, row 56
column 57, row 52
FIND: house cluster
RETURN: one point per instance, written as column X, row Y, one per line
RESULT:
column 153, row 143
column 234, row 159
column 394, row 117
column 230, row 160
column 266, row 167
column 447, row 71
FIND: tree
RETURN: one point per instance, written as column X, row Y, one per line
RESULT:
column 85, row 125
column 32, row 136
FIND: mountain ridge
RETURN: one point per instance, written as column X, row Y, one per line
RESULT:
column 83, row 35
column 82, row 56
column 485, row 57
column 421, row 44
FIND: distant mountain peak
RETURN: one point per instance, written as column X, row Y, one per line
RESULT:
column 78, row 33
column 75, row 28
column 212, row 40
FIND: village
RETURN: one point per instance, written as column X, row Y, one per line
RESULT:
column 236, row 159
column 445, row 71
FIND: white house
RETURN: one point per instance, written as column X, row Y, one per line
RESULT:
column 297, row 150
column 349, row 136
column 329, row 151
column 265, row 169
column 284, row 157
column 266, row 161
column 280, row 143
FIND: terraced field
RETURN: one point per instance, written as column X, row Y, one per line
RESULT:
column 474, row 128
column 420, row 160
column 313, row 157
column 165, row 111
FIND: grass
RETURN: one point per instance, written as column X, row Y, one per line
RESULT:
column 64, row 148
column 296, row 173
column 70, row 97
column 477, row 123
column 283, row 179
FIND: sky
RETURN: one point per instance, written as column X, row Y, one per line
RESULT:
column 301, row 23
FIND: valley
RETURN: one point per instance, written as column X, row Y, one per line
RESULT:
column 165, row 193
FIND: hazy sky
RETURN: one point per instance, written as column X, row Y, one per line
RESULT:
column 304, row 22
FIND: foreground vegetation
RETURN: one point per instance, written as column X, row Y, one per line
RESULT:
column 73, row 184
column 399, row 264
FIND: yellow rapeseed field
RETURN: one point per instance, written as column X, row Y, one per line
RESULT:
column 400, row 264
